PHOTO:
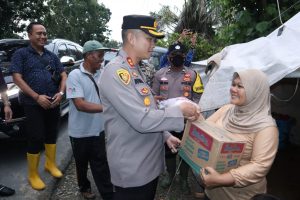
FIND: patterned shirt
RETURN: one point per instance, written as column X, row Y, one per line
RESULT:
column 36, row 72
column 3, row 86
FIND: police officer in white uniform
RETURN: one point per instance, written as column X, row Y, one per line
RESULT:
column 133, row 124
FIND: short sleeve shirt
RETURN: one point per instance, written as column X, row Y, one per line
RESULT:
column 3, row 86
column 83, row 124
column 36, row 72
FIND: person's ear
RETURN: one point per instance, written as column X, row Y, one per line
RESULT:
column 131, row 38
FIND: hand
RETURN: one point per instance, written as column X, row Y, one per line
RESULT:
column 190, row 111
column 209, row 177
column 44, row 101
column 8, row 113
column 173, row 143
column 56, row 100
column 183, row 34
column 194, row 40
column 159, row 98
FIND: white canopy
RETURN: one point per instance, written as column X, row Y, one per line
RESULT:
column 276, row 55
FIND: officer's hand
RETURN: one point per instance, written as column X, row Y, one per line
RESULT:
column 44, row 101
column 190, row 111
column 173, row 143
column 56, row 100
column 159, row 98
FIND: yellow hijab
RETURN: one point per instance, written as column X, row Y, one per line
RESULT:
column 255, row 114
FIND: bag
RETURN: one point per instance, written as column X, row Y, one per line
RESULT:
column 55, row 75
column 56, row 78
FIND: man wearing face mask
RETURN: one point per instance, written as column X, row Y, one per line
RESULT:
column 177, row 81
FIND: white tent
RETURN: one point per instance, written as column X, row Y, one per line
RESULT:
column 276, row 54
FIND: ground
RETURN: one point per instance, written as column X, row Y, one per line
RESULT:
column 67, row 188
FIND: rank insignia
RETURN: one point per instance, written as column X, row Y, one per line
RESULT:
column 187, row 75
column 186, row 94
column 130, row 62
column 147, row 101
column 163, row 87
column 187, row 79
column 186, row 88
column 124, row 76
column 144, row 90
column 134, row 74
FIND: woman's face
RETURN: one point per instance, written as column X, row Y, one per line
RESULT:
column 237, row 91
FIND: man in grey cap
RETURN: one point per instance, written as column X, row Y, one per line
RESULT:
column 86, row 129
column 136, row 130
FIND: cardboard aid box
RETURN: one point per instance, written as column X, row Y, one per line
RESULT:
column 204, row 144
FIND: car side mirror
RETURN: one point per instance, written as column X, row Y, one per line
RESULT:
column 67, row 60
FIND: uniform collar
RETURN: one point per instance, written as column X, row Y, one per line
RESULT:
column 182, row 71
column 126, row 59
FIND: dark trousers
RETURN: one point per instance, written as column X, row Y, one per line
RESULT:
column 171, row 160
column 41, row 127
column 91, row 150
column 145, row 192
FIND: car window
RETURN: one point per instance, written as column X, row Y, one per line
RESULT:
column 72, row 51
column 79, row 54
column 62, row 50
column 109, row 55
column 6, row 52
column 154, row 59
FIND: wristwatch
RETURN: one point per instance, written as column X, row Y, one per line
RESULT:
column 61, row 93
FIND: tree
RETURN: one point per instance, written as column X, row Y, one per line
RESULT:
column 196, row 16
column 242, row 21
column 112, row 44
column 15, row 14
column 77, row 20
column 167, row 18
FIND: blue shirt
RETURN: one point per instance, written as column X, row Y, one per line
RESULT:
column 188, row 59
column 83, row 124
column 33, row 68
column 3, row 86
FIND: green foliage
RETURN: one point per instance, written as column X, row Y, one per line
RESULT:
column 167, row 18
column 14, row 14
column 243, row 21
column 204, row 48
column 77, row 20
column 112, row 44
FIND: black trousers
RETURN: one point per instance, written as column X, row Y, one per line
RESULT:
column 41, row 127
column 145, row 192
column 91, row 150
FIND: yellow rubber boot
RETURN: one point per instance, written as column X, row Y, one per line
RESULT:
column 50, row 166
column 33, row 175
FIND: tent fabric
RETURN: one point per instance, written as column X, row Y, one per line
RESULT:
column 277, row 56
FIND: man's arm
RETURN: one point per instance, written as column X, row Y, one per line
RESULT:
column 7, row 110
column 62, row 87
column 85, row 106
column 42, row 100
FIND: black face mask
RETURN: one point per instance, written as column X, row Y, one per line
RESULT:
column 177, row 60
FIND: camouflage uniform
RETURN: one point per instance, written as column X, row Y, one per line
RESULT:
column 148, row 70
